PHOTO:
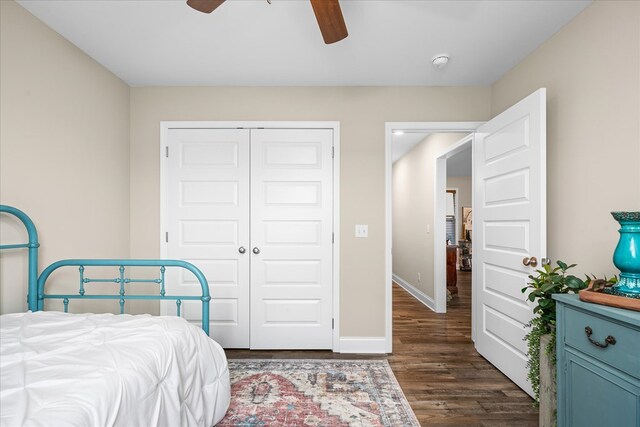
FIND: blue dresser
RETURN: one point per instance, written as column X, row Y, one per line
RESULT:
column 598, row 356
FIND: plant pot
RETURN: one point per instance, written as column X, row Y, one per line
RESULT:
column 547, row 396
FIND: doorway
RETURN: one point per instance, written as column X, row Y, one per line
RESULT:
column 454, row 168
column 438, row 301
column 459, row 223
column 509, row 175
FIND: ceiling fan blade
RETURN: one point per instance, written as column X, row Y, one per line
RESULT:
column 330, row 20
column 205, row 6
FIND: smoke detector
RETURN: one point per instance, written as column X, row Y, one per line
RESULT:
column 440, row 61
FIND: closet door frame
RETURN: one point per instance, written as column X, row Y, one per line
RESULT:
column 332, row 125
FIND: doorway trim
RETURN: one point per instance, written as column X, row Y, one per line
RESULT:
column 333, row 125
column 426, row 127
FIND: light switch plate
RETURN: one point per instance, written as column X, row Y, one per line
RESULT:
column 362, row 230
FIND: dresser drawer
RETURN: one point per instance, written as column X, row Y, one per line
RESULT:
column 624, row 354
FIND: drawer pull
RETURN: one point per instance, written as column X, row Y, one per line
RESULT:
column 609, row 340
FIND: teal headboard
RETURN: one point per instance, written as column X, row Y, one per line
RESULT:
column 37, row 293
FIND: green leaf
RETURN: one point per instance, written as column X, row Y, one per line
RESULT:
column 549, row 286
column 573, row 282
column 562, row 265
column 545, row 302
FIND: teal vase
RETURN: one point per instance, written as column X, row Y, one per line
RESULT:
column 626, row 257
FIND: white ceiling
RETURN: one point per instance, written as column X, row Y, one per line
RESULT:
column 401, row 144
column 249, row 42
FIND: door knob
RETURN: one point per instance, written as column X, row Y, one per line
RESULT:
column 242, row 250
column 533, row 261
column 256, row 250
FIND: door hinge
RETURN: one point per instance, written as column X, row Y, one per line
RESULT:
column 166, row 151
column 333, row 237
column 333, row 323
column 166, row 236
column 333, row 152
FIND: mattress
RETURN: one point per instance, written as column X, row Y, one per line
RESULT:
column 61, row 369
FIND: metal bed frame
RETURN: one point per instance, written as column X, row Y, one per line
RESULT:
column 36, row 284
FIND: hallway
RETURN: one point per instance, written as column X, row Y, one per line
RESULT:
column 444, row 379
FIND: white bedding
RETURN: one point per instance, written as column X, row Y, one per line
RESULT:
column 61, row 369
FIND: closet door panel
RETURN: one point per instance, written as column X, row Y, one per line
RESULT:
column 291, row 231
column 208, row 207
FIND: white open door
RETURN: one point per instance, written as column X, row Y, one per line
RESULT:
column 291, row 238
column 509, row 225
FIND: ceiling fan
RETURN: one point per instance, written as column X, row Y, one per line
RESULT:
column 328, row 14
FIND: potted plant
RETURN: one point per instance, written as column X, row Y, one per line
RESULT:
column 548, row 281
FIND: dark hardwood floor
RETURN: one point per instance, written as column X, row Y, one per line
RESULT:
column 444, row 379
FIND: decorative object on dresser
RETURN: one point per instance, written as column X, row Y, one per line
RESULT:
column 541, row 339
column 452, row 274
column 598, row 360
column 627, row 254
column 599, row 292
column 625, row 292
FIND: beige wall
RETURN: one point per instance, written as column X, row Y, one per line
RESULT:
column 362, row 112
column 64, row 150
column 72, row 116
column 591, row 69
column 463, row 184
column 412, row 213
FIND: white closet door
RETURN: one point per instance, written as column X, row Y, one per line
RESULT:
column 208, row 223
column 291, row 239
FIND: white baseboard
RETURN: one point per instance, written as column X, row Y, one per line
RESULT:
column 362, row 345
column 416, row 293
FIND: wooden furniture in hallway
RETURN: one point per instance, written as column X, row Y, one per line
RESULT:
column 452, row 276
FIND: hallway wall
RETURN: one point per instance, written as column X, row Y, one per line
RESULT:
column 412, row 198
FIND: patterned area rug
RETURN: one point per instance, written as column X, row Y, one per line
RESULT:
column 330, row 393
